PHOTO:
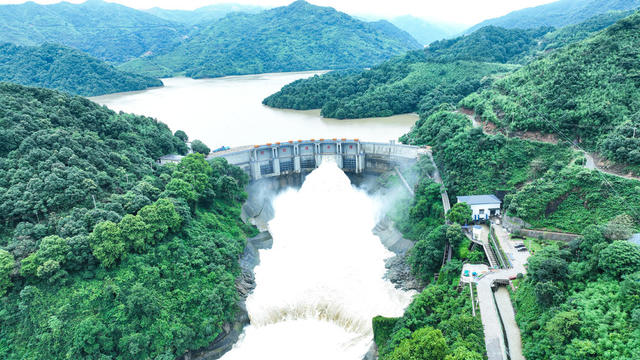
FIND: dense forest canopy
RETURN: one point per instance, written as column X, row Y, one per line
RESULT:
column 558, row 13
column 421, row 80
column 558, row 94
column 103, row 253
column 297, row 37
column 487, row 44
column 62, row 68
column 105, row 30
column 581, row 300
column 58, row 153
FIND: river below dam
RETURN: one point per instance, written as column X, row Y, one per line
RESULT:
column 228, row 111
column 321, row 283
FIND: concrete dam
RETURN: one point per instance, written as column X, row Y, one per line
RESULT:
column 303, row 156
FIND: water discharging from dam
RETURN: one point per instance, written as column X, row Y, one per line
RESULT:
column 321, row 283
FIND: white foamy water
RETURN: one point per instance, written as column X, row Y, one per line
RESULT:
column 321, row 283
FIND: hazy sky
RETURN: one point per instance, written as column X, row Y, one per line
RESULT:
column 458, row 11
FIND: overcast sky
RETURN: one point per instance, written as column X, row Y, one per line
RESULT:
column 457, row 11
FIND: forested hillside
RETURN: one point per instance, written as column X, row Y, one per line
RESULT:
column 203, row 14
column 297, row 37
column 557, row 14
column 62, row 68
column 105, row 30
column 581, row 301
column 588, row 93
column 546, row 185
column 103, row 254
column 445, row 72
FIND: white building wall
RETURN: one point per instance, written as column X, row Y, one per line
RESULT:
column 477, row 214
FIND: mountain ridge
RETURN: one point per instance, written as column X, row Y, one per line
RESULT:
column 297, row 37
column 557, row 14
column 108, row 31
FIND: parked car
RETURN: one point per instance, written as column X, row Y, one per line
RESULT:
column 466, row 273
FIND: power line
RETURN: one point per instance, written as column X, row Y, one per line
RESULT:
column 597, row 171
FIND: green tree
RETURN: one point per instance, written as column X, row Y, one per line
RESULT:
column 462, row 353
column 135, row 232
column 181, row 189
column 160, row 217
column 6, row 268
column 548, row 293
column 563, row 327
column 548, row 265
column 91, row 340
column 620, row 258
column 460, row 213
column 107, row 243
column 425, row 344
column 197, row 172
column 199, row 147
column 181, row 135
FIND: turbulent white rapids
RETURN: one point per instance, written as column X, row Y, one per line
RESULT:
column 321, row 283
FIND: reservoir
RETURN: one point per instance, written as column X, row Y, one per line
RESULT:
column 229, row 112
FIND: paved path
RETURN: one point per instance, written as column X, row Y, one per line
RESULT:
column 493, row 339
column 509, row 320
column 493, row 336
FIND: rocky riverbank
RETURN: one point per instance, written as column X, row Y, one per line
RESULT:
column 398, row 270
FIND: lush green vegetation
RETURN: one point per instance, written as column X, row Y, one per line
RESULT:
column 437, row 325
column 200, row 147
column 61, row 68
column 581, row 301
column 487, row 44
column 571, row 198
column 105, row 30
column 556, row 94
column 59, row 153
column 472, row 162
column 558, row 14
column 445, row 72
column 104, row 254
column 398, row 86
column 297, row 37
